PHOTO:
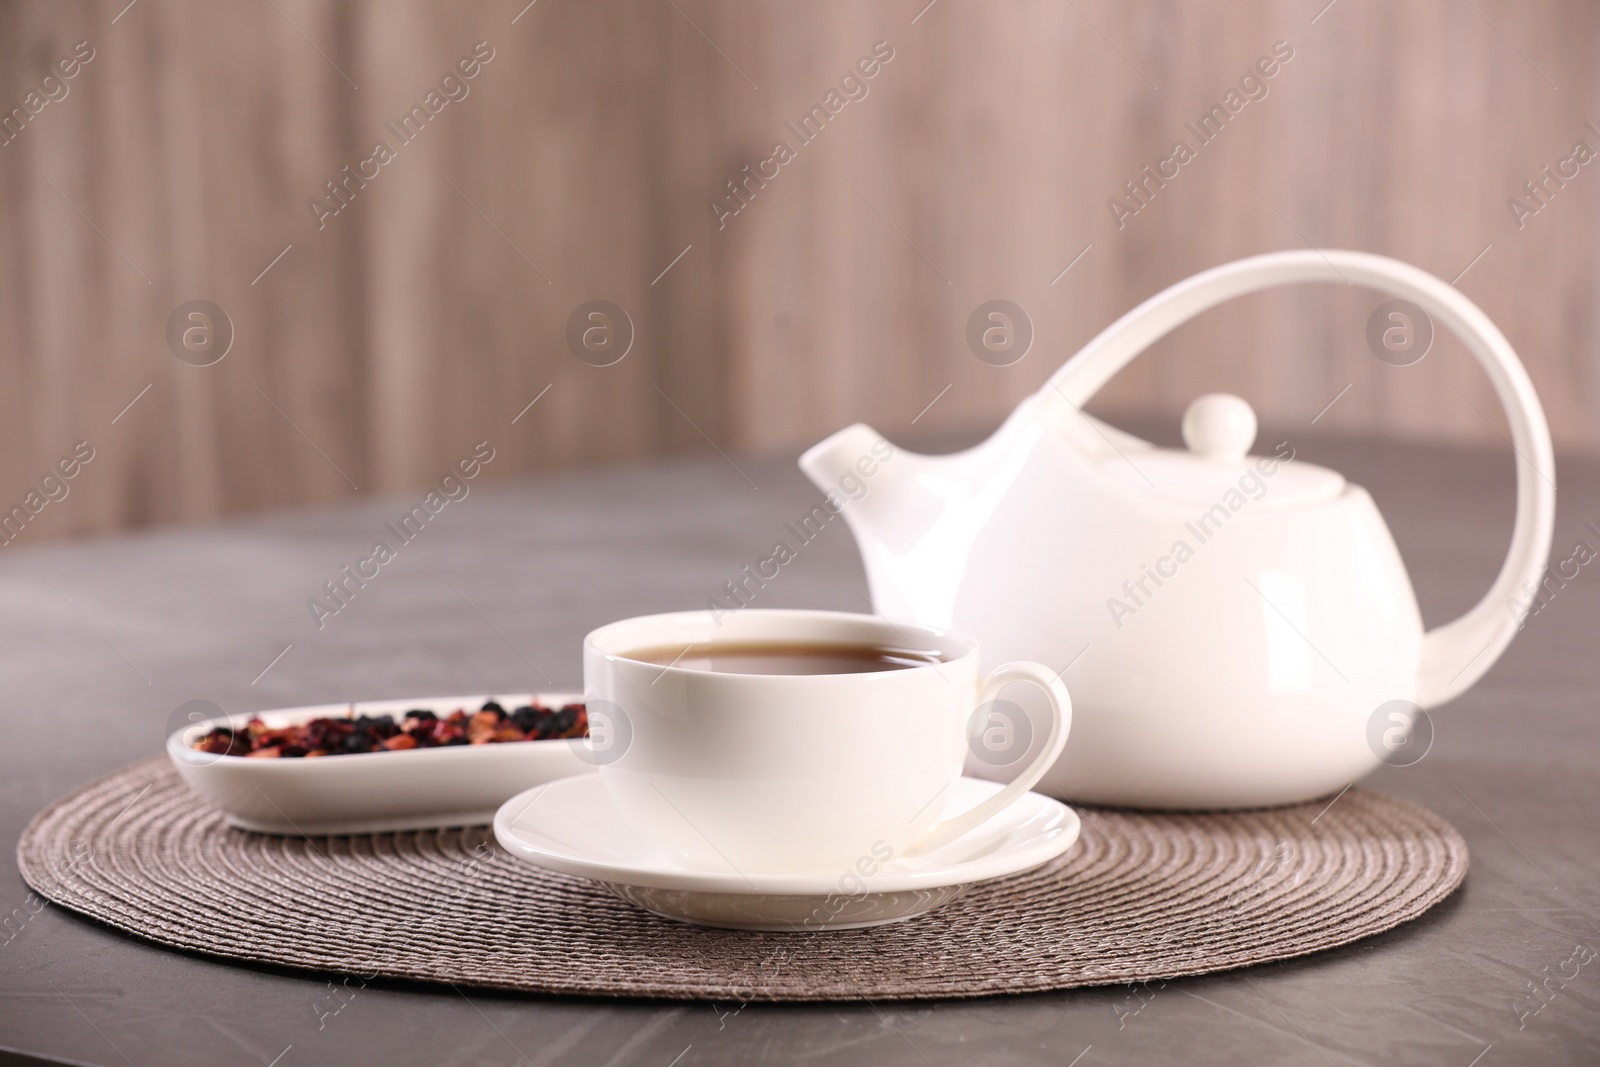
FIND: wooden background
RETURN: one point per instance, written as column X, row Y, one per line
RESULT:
column 431, row 310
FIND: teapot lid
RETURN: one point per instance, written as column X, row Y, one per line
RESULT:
column 1219, row 430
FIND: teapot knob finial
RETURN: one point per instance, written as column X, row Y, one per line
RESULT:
column 1219, row 426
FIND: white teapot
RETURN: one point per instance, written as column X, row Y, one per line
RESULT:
column 1234, row 625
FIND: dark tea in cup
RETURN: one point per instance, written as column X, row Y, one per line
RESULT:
column 789, row 657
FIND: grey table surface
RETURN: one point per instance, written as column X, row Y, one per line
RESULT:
column 104, row 638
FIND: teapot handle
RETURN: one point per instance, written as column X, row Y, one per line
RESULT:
column 1454, row 655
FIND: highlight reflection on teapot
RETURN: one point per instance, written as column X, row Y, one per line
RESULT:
column 1228, row 644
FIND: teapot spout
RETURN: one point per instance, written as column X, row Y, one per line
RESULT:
column 878, row 490
column 916, row 517
column 844, row 465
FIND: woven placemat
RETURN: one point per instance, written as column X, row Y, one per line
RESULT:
column 1140, row 897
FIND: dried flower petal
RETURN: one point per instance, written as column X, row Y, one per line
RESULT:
column 418, row 728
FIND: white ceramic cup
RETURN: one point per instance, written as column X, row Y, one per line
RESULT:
column 785, row 774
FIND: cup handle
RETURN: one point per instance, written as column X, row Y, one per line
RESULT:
column 1060, row 723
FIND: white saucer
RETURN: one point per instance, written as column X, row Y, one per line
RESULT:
column 571, row 826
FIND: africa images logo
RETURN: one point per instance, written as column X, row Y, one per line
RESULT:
column 1252, row 87
column 852, row 86
column 453, row 88
column 1251, row 486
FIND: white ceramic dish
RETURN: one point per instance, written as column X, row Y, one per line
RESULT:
column 371, row 792
column 572, row 826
